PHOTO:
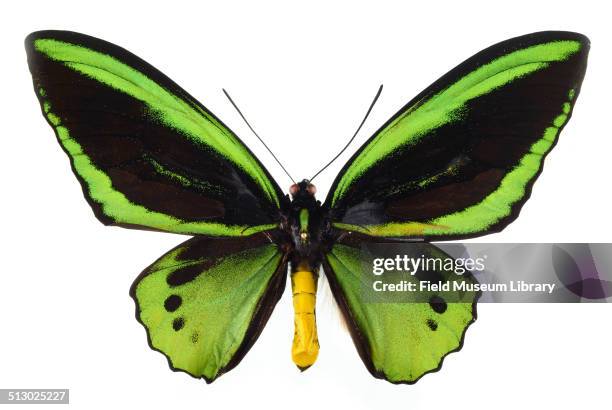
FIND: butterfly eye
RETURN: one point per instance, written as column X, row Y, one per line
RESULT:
column 294, row 189
column 311, row 189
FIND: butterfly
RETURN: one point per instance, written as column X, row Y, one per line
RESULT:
column 458, row 161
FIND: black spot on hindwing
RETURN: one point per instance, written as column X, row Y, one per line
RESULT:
column 430, row 276
column 172, row 303
column 188, row 273
column 432, row 324
column 184, row 275
column 438, row 304
column 178, row 323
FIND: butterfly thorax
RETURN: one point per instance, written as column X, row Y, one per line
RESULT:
column 305, row 225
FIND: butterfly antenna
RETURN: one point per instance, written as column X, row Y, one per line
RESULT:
column 258, row 137
column 354, row 135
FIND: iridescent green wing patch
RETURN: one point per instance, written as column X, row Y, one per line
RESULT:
column 461, row 158
column 399, row 340
column 147, row 154
column 204, row 303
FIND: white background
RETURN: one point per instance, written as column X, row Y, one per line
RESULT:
column 304, row 76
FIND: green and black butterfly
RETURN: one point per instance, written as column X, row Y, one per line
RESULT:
column 457, row 161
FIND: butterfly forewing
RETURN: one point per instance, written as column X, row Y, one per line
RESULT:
column 461, row 158
column 146, row 153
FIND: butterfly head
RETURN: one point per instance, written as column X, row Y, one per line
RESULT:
column 302, row 190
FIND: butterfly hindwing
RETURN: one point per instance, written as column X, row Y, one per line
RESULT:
column 147, row 154
column 205, row 302
column 460, row 159
column 398, row 340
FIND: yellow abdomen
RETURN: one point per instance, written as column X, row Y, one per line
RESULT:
column 305, row 347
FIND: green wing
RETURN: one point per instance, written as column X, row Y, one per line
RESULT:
column 147, row 154
column 399, row 340
column 205, row 302
column 461, row 158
